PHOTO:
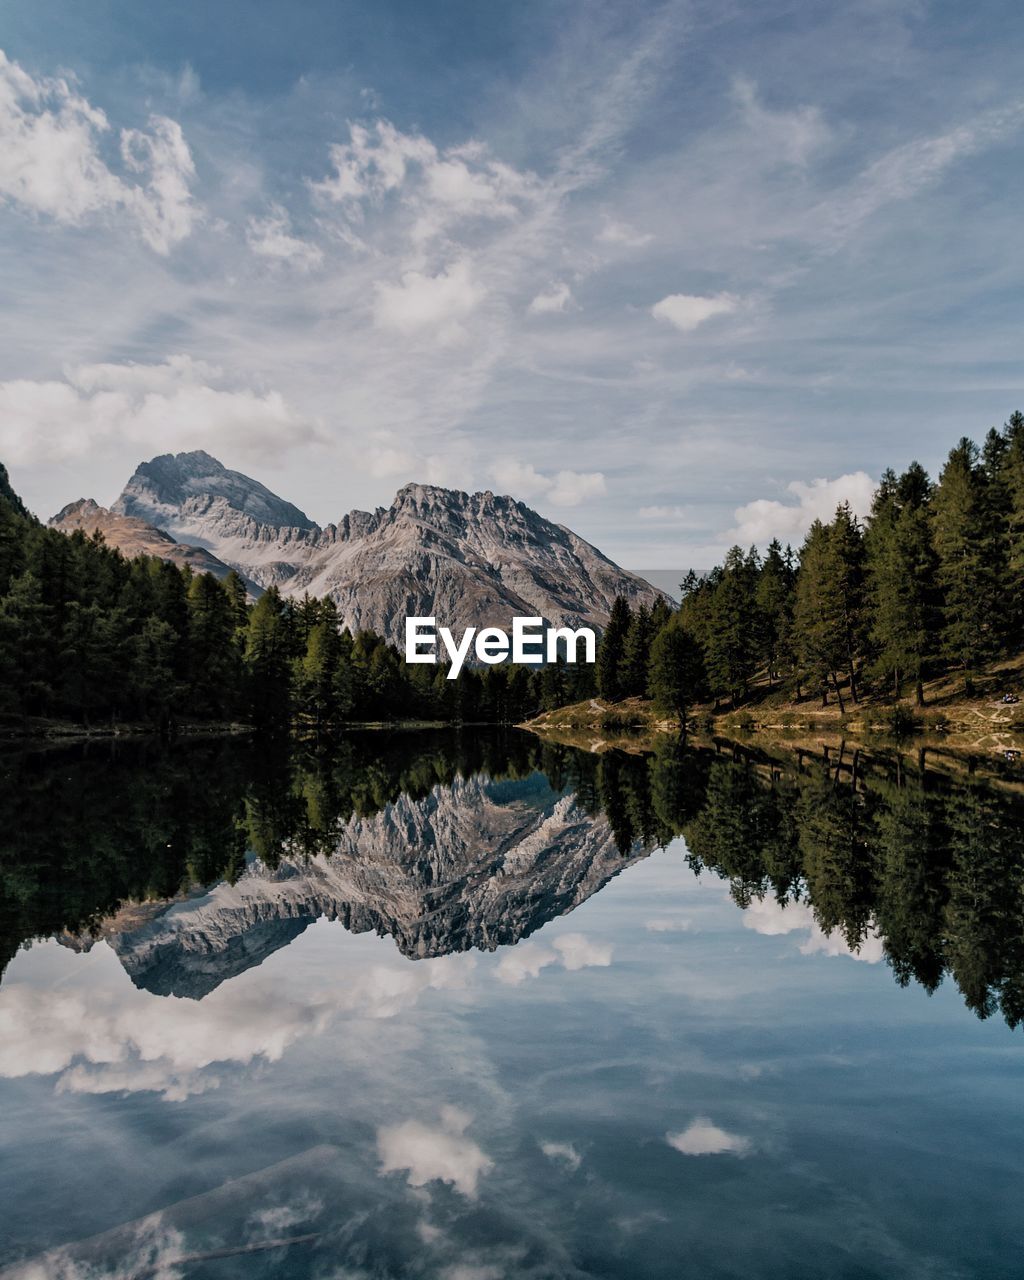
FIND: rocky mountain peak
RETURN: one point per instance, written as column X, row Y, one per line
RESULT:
column 473, row 559
column 161, row 489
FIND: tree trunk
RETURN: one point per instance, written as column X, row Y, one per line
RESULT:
column 919, row 693
column 839, row 694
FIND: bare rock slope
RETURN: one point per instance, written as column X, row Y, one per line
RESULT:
column 468, row 559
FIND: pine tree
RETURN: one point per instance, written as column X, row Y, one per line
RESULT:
column 611, row 652
column 773, row 598
column 900, row 577
column 268, row 663
column 819, row 615
column 26, row 631
column 637, row 653
column 963, row 573
column 213, row 673
column 729, row 633
column 677, row 675
column 317, row 679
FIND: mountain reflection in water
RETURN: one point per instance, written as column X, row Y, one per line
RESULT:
column 463, row 1006
column 197, row 863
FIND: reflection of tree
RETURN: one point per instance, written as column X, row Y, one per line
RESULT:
column 983, row 911
column 88, row 830
column 832, row 833
column 936, row 866
column 912, row 874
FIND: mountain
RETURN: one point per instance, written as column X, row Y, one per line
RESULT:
column 468, row 559
column 476, row 864
column 135, row 537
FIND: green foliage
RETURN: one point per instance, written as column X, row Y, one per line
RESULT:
column 611, row 655
column 678, row 678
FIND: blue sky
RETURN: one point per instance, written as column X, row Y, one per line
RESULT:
column 675, row 274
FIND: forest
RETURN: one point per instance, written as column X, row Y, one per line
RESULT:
column 931, row 582
column 89, row 636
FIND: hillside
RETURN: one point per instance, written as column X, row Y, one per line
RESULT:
column 979, row 721
column 134, row 537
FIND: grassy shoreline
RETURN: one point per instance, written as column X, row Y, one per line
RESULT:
column 974, row 720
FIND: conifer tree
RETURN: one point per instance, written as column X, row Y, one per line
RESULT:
column 677, row 676
column 729, row 637
column 268, row 663
column 819, row 615
column 968, row 634
column 773, row 599
column 636, row 653
column 900, row 578
column 611, row 652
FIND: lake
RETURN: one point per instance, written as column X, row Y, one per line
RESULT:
column 466, row 1006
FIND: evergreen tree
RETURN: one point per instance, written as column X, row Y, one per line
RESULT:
column 611, row 651
column 964, row 574
column 268, row 663
column 773, row 600
column 637, row 653
column 677, row 675
column 729, row 638
column 819, row 616
column 900, row 578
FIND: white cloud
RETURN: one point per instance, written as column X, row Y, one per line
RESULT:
column 434, row 1154
column 677, row 516
column 759, row 521
column 434, row 305
column 914, row 166
column 794, row 136
column 437, row 187
column 51, row 161
column 109, row 1037
column 163, row 407
column 770, row 917
column 578, row 952
column 573, row 950
column 552, row 301
column 271, row 237
column 685, row 311
column 702, row 1138
column 564, row 1152
column 564, row 489
column 373, row 162
column 622, row 233
column 573, row 487
column 524, row 960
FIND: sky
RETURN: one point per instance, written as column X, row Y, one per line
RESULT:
column 678, row 275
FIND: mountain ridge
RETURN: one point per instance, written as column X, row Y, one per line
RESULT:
column 469, row 559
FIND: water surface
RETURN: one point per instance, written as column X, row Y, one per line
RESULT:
column 460, row 1006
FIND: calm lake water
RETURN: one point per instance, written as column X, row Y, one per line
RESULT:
column 460, row 1006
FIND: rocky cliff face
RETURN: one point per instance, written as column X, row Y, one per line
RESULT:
column 135, row 537
column 478, row 864
column 468, row 559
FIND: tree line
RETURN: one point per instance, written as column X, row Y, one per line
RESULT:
column 931, row 582
column 90, row 636
column 874, row 846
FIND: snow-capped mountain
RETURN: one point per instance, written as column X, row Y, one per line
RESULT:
column 467, row 559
